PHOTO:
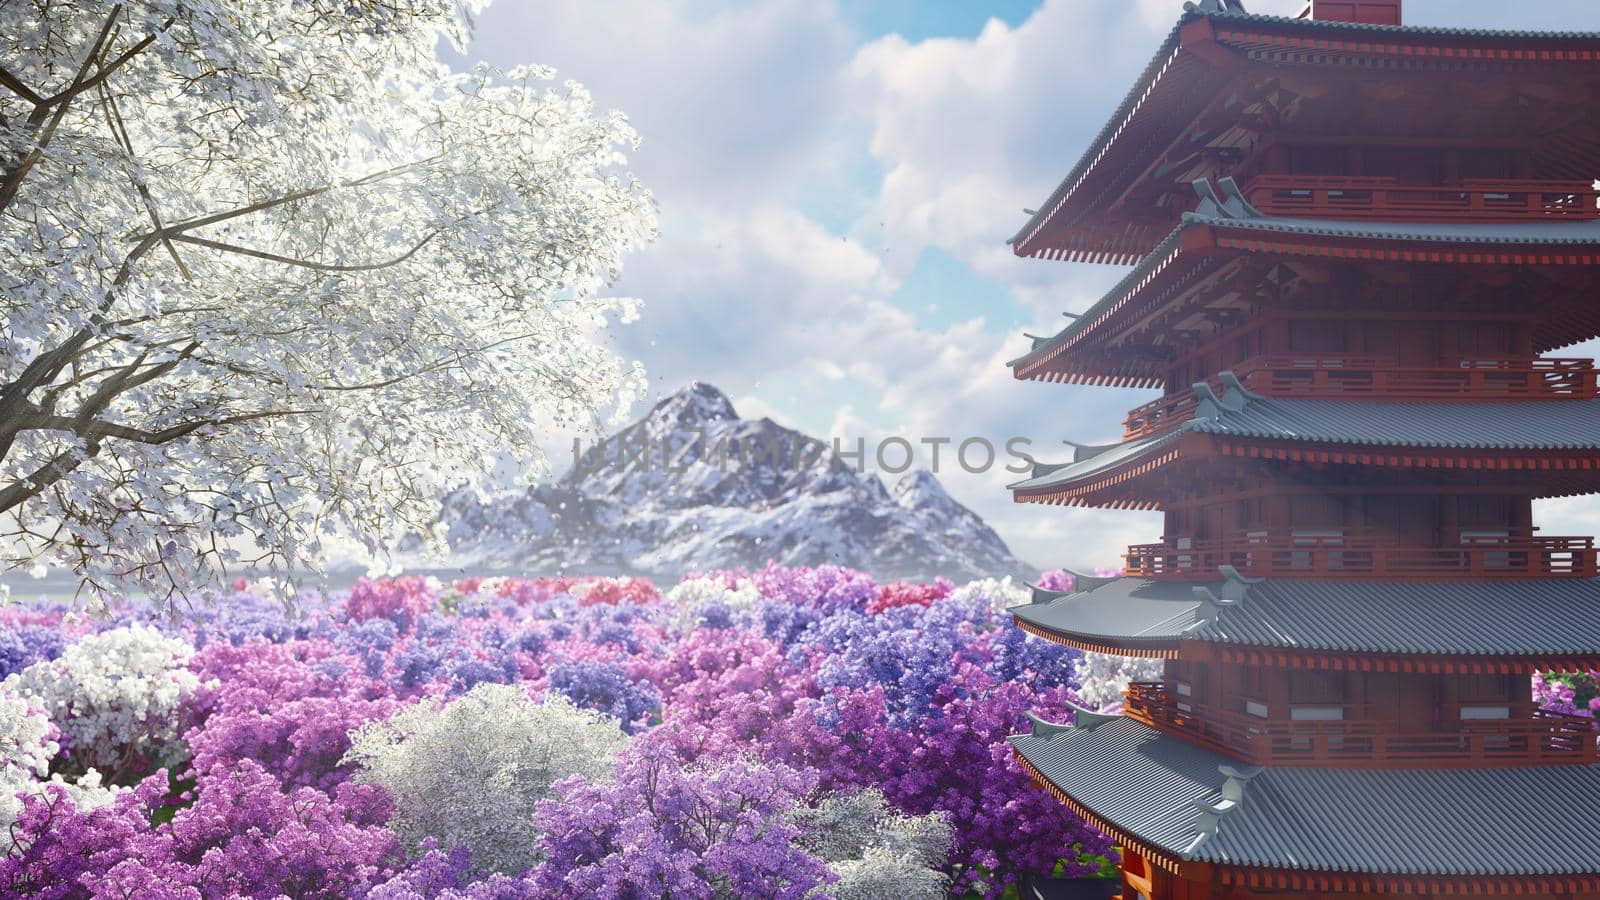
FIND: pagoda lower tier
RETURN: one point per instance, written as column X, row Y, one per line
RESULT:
column 1200, row 824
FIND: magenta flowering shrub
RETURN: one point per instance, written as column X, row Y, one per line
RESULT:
column 902, row 594
column 748, row 700
column 399, row 600
column 243, row 836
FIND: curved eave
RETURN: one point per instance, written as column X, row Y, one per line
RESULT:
column 1295, row 880
column 1199, row 240
column 1111, row 645
column 1502, row 830
column 1556, row 467
column 1395, row 625
column 1193, row 50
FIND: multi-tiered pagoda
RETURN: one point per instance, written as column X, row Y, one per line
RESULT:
column 1355, row 246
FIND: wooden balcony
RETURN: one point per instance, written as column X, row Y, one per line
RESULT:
column 1359, row 556
column 1341, row 376
column 1544, row 738
column 1389, row 199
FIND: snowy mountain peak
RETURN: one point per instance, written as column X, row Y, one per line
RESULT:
column 919, row 487
column 691, row 487
column 689, row 407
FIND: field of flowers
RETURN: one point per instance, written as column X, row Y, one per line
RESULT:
column 783, row 733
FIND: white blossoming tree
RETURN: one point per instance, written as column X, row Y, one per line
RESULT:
column 274, row 276
column 471, row 772
column 875, row 850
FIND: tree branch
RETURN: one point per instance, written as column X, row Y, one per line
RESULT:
column 13, row 179
column 177, row 228
column 304, row 263
column 17, row 87
column 100, row 428
column 59, row 466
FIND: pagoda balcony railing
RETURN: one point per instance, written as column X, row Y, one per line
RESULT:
column 1544, row 737
column 1362, row 556
column 1344, row 376
column 1478, row 200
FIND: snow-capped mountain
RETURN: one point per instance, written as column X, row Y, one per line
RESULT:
column 693, row 487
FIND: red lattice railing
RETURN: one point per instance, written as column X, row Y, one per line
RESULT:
column 1366, row 556
column 1389, row 199
column 1542, row 738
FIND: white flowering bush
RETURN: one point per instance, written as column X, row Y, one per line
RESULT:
column 1101, row 677
column 692, row 596
column 28, row 742
column 876, row 851
column 470, row 773
column 1001, row 593
column 27, row 739
column 114, row 696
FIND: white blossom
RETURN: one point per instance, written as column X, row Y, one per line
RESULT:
column 112, row 695
column 1101, row 678
column 690, row 597
column 26, row 741
column 275, row 278
column 1000, row 593
column 875, row 850
column 27, row 745
column 471, row 772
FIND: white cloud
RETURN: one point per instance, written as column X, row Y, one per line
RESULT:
column 971, row 131
column 749, row 297
column 737, row 106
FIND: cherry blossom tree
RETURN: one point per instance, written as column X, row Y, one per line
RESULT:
column 272, row 276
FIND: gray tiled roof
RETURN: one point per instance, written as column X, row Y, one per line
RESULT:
column 1512, row 34
column 1046, row 475
column 1475, row 822
column 1519, row 425
column 1141, row 87
column 1580, row 232
column 1120, row 610
column 1512, row 425
column 1575, row 233
column 1553, row 617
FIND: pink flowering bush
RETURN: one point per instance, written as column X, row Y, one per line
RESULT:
column 743, row 704
column 400, row 600
column 902, row 594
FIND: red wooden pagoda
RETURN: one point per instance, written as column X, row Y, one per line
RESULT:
column 1355, row 246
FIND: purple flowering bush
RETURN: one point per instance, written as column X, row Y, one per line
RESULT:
column 1573, row 693
column 503, row 738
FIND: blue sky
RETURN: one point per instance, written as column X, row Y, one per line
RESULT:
column 837, row 181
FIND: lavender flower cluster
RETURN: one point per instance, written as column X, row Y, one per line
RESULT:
column 790, row 732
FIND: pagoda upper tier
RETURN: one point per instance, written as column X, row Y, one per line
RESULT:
column 1319, row 118
column 1424, row 294
column 1236, row 439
